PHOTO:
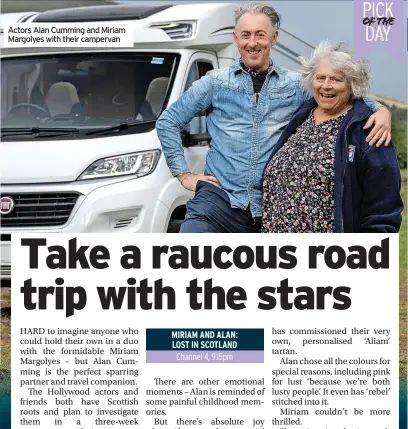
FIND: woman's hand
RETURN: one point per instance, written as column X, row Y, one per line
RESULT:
column 189, row 180
column 382, row 129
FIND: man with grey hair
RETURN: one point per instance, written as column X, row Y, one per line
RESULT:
column 248, row 105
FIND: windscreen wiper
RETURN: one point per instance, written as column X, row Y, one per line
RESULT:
column 124, row 126
column 38, row 131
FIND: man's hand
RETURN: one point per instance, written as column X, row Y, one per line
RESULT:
column 189, row 180
column 382, row 129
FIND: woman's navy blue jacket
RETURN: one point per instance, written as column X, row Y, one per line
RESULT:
column 367, row 179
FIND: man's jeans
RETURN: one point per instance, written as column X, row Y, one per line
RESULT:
column 210, row 211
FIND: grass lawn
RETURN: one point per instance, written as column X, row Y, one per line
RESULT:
column 403, row 282
column 389, row 101
column 5, row 337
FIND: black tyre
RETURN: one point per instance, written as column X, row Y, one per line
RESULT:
column 174, row 226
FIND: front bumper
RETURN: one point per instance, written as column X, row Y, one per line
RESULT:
column 124, row 206
column 127, row 205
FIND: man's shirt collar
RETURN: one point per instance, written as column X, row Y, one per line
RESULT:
column 272, row 68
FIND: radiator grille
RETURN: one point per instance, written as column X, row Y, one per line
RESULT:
column 34, row 210
column 5, row 270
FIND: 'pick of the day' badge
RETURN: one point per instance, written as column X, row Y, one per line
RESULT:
column 378, row 23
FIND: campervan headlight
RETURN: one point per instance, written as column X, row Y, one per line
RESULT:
column 139, row 164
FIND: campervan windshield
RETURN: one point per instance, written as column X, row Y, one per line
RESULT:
column 84, row 91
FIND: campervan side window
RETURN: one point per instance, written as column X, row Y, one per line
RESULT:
column 197, row 70
column 85, row 91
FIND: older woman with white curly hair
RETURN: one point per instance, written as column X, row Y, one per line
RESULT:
column 322, row 176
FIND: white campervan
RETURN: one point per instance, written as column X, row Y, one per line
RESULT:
column 79, row 149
